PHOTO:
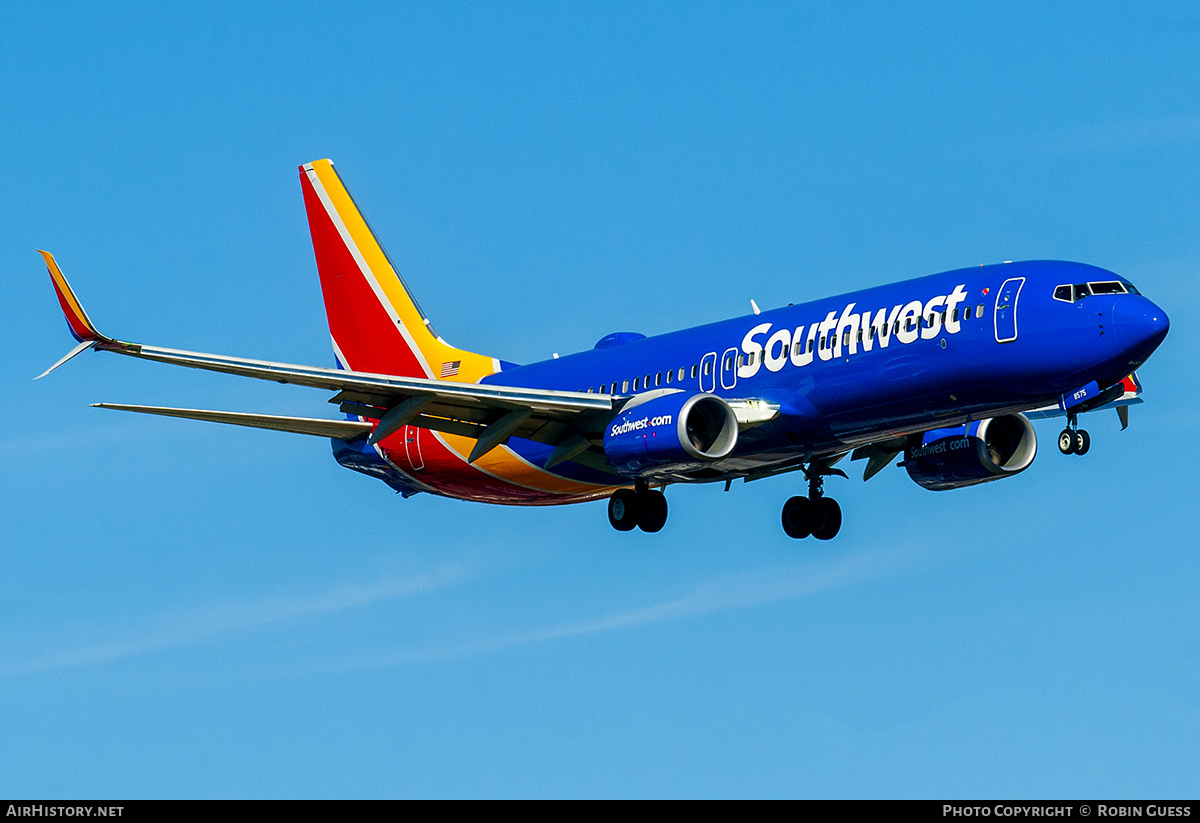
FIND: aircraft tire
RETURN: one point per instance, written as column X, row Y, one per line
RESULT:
column 624, row 509
column 1066, row 441
column 798, row 515
column 1083, row 442
column 832, row 519
column 654, row 512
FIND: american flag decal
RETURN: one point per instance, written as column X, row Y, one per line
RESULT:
column 449, row 369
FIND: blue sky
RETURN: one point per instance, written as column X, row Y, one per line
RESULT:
column 188, row 610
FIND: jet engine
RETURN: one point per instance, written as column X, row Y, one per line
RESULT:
column 673, row 432
column 975, row 453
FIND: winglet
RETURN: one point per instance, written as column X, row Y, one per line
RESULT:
column 78, row 322
column 82, row 347
column 77, row 319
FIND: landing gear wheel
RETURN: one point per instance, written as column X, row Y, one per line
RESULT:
column 624, row 508
column 830, row 513
column 1066, row 441
column 798, row 515
column 654, row 512
column 1083, row 442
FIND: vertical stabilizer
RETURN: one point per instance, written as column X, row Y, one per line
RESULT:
column 375, row 323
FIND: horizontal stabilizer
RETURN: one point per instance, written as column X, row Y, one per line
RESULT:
column 340, row 429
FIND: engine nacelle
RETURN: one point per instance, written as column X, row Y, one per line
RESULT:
column 971, row 454
column 679, row 431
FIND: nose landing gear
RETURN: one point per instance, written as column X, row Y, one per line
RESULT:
column 816, row 514
column 640, row 507
column 1072, row 439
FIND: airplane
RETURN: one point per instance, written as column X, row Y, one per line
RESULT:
column 946, row 370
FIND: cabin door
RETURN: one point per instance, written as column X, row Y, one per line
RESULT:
column 412, row 447
column 1006, row 309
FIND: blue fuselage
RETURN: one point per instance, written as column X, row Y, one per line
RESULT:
column 907, row 357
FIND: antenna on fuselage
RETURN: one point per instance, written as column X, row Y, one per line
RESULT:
column 754, row 306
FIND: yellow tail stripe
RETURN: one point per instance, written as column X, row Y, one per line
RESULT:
column 435, row 352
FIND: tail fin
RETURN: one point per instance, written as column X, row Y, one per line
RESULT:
column 375, row 323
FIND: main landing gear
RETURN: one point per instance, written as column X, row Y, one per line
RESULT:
column 816, row 514
column 641, row 508
column 1072, row 439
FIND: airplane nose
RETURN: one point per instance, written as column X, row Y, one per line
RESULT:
column 1141, row 326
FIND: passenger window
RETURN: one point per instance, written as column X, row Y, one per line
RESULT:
column 979, row 310
column 624, row 386
column 966, row 313
column 680, row 375
column 658, row 379
column 636, row 380
column 846, row 338
column 670, row 374
column 707, row 369
column 742, row 357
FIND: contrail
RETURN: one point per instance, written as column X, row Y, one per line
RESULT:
column 176, row 628
column 723, row 594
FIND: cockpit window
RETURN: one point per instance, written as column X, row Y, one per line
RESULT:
column 1078, row 291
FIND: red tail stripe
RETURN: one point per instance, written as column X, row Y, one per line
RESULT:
column 361, row 327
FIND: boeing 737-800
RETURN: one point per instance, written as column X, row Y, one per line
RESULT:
column 945, row 370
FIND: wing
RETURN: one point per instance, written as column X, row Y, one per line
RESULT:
column 1120, row 397
column 319, row 427
column 573, row 422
